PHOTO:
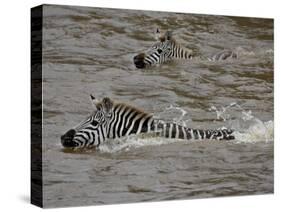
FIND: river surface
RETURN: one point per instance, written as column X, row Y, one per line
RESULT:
column 90, row 51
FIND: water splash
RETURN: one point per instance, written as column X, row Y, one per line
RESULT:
column 223, row 112
column 134, row 141
column 259, row 132
column 247, row 129
column 180, row 119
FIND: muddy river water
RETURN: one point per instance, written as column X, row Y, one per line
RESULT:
column 90, row 51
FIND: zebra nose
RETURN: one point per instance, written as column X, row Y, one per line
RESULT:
column 67, row 138
column 139, row 61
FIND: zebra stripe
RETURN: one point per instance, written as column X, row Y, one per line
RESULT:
column 165, row 49
column 177, row 131
column 117, row 120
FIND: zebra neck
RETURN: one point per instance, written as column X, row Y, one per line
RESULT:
column 128, row 120
column 181, row 52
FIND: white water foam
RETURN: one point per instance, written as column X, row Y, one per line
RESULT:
column 259, row 132
column 247, row 129
column 133, row 142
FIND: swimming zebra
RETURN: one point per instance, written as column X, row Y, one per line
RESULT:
column 166, row 48
column 115, row 120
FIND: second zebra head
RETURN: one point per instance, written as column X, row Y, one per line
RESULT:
column 165, row 49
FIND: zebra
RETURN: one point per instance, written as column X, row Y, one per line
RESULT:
column 166, row 48
column 112, row 119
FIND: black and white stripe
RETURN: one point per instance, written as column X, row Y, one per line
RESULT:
column 165, row 49
column 127, row 120
column 173, row 130
column 115, row 120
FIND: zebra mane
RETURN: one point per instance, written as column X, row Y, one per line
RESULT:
column 162, row 37
column 168, row 36
column 132, row 108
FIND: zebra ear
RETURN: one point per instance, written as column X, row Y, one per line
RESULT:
column 107, row 102
column 157, row 34
column 94, row 101
column 168, row 35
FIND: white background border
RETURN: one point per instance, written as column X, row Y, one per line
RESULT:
column 15, row 101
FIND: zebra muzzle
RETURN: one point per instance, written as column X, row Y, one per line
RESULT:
column 139, row 61
column 67, row 139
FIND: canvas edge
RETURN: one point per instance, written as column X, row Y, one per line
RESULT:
column 36, row 191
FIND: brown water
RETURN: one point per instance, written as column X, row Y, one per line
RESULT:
column 89, row 51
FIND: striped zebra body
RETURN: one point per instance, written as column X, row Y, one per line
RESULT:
column 166, row 49
column 174, row 130
column 116, row 120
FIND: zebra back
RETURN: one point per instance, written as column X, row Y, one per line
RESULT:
column 127, row 120
column 176, row 131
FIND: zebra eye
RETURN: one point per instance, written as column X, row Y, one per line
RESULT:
column 95, row 123
column 159, row 51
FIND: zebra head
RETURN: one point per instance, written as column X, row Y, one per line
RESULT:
column 162, row 51
column 93, row 130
